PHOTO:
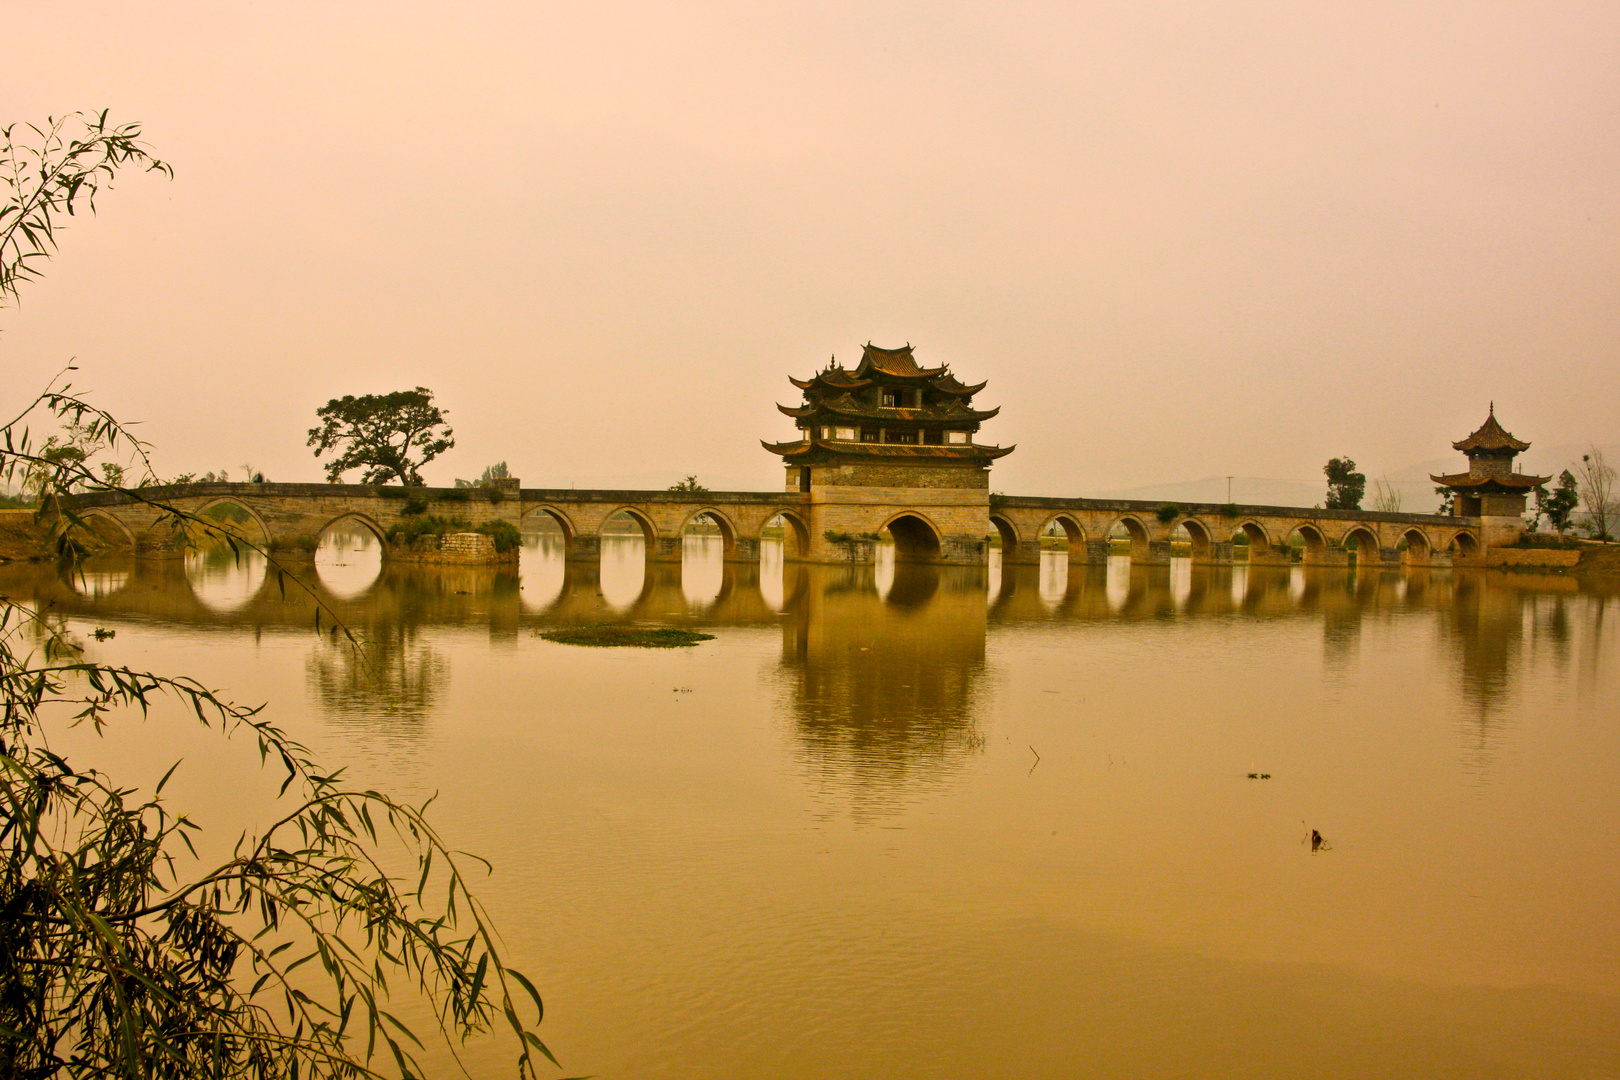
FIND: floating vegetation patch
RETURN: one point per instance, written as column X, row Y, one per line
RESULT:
column 644, row 637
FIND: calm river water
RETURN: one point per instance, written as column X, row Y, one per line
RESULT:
column 931, row 823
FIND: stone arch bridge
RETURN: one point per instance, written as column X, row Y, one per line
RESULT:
column 292, row 517
column 1213, row 533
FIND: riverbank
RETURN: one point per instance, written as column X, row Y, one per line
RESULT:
column 21, row 537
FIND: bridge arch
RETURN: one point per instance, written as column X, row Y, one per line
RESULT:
column 1008, row 532
column 1201, row 543
column 916, row 539
column 562, row 521
column 1363, row 543
column 365, row 521
column 1467, row 547
column 228, row 500
column 1418, row 547
column 1073, row 532
column 118, row 526
column 1315, row 543
column 728, row 529
column 649, row 531
column 1138, row 533
column 1259, row 541
column 795, row 534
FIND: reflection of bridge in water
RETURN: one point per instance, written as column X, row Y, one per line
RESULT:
column 162, row 591
column 882, row 668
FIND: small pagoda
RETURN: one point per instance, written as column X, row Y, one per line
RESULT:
column 888, row 411
column 1490, row 487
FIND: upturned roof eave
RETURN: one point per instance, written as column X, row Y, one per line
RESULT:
column 913, row 451
column 1507, row 482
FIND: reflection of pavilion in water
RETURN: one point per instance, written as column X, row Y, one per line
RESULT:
column 1492, row 630
column 884, row 683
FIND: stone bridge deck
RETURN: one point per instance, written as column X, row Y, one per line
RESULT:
column 292, row 518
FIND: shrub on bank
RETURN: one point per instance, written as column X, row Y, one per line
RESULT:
column 507, row 537
column 1546, row 540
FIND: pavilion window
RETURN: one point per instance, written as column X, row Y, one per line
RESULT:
column 844, row 433
column 909, row 437
column 871, row 434
column 891, row 399
column 934, row 438
column 956, row 437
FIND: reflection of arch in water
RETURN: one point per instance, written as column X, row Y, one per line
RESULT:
column 1138, row 534
column 916, row 539
column 914, row 585
column 343, row 579
column 728, row 531
column 540, row 514
column 234, row 528
column 703, row 577
column 1418, row 547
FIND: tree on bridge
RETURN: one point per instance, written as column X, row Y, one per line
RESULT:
column 1345, row 485
column 390, row 436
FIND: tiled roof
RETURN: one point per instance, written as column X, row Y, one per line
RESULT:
column 1491, row 436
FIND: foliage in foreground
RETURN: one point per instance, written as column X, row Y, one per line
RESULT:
column 122, row 954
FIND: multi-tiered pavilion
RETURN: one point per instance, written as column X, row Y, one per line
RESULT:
column 891, row 434
column 1491, row 489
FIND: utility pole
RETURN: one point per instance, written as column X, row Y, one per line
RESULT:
column 1228, row 489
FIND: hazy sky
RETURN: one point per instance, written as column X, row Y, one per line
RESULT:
column 1179, row 239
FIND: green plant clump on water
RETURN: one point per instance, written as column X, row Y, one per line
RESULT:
column 613, row 635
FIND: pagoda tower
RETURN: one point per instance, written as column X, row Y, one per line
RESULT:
column 1491, row 490
column 890, row 446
